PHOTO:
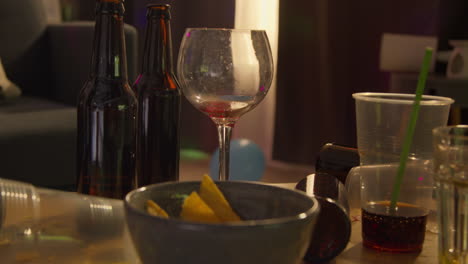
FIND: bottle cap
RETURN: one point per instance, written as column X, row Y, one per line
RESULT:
column 159, row 11
column 110, row 7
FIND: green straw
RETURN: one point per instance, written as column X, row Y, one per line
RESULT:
column 411, row 127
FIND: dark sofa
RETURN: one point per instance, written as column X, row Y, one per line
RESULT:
column 49, row 63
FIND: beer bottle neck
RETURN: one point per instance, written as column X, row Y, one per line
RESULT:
column 157, row 57
column 109, row 58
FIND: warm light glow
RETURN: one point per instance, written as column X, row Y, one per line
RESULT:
column 243, row 142
column 101, row 206
column 246, row 66
column 258, row 125
column 310, row 182
column 28, row 232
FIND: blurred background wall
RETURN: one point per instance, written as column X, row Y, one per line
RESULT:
column 327, row 50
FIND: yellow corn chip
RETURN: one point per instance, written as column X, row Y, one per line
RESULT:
column 195, row 209
column 215, row 199
column 154, row 209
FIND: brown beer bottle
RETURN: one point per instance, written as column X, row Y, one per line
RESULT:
column 159, row 96
column 107, row 111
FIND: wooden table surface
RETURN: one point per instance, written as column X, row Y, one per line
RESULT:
column 356, row 253
column 119, row 249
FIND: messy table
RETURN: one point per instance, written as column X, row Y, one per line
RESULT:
column 82, row 229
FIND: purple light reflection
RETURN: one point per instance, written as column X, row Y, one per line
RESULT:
column 137, row 80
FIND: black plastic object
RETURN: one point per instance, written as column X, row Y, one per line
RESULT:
column 333, row 228
column 336, row 160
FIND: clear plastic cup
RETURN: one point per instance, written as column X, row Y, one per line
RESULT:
column 370, row 189
column 382, row 120
column 40, row 225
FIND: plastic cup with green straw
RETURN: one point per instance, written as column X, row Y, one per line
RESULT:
column 411, row 127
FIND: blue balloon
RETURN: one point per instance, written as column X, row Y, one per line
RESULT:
column 247, row 161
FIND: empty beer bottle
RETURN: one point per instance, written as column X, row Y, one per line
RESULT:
column 159, row 96
column 107, row 111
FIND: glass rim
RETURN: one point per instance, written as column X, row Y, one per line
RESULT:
column 402, row 98
column 444, row 131
column 223, row 29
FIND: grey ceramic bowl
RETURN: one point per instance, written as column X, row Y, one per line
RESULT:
column 277, row 229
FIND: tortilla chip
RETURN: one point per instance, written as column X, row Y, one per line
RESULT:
column 195, row 209
column 154, row 209
column 215, row 199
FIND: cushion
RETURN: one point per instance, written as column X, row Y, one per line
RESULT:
column 39, row 147
column 25, row 103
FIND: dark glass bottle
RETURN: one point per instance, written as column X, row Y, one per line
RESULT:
column 107, row 111
column 158, row 95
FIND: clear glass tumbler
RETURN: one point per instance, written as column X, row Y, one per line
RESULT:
column 451, row 181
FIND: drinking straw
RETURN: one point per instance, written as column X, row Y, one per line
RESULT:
column 411, row 127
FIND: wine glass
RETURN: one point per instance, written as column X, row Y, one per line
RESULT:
column 225, row 73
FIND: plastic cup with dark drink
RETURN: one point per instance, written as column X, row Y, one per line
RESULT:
column 394, row 138
column 402, row 231
column 399, row 229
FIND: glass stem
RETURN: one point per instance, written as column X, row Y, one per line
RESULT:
column 224, row 137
